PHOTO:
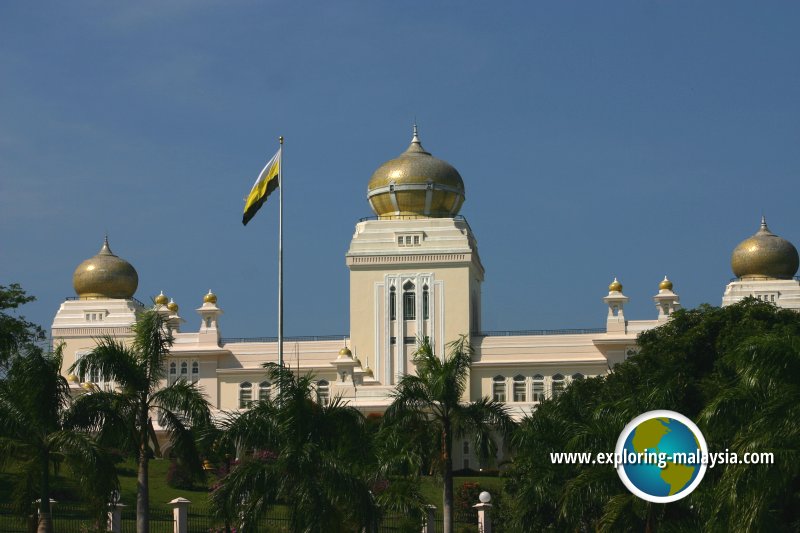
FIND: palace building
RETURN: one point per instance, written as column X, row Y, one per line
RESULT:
column 415, row 271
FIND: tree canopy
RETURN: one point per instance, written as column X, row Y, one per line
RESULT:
column 735, row 371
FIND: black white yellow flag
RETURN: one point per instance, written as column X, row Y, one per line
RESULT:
column 266, row 183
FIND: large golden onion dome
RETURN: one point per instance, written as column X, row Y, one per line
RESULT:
column 105, row 276
column 416, row 184
column 764, row 256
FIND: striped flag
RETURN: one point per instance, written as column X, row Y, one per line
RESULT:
column 268, row 180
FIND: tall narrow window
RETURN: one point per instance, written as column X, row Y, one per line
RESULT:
column 264, row 390
column 173, row 372
column 195, row 371
column 323, row 392
column 558, row 385
column 538, row 388
column 409, row 302
column 519, row 389
column 499, row 389
column 425, row 302
column 184, row 370
column 392, row 304
column 245, row 395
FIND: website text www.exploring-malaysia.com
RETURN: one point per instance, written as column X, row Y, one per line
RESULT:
column 661, row 459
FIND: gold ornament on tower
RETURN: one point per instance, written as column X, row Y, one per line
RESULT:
column 210, row 298
column 105, row 276
column 172, row 306
column 764, row 256
column 416, row 184
column 162, row 299
column 665, row 285
column 615, row 286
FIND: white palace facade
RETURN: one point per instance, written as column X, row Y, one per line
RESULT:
column 415, row 272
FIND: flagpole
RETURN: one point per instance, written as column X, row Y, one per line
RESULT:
column 280, row 255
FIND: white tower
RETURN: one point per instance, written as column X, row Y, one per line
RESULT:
column 414, row 269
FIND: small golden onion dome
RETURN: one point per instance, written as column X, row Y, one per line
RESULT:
column 764, row 256
column 665, row 285
column 72, row 378
column 416, row 184
column 88, row 385
column 172, row 306
column 210, row 298
column 368, row 372
column 105, row 276
column 345, row 352
column 615, row 286
column 162, row 299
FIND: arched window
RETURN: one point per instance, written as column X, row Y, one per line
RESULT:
column 519, row 389
column 195, row 371
column 184, row 370
column 499, row 389
column 425, row 303
column 264, row 390
column 323, row 392
column 538, row 388
column 245, row 395
column 392, row 304
column 558, row 385
column 577, row 377
column 173, row 372
column 409, row 302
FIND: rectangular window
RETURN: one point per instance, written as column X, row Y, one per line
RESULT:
column 425, row 304
column 400, row 241
column 499, row 392
column 519, row 391
column 416, row 240
column 409, row 306
column 538, row 391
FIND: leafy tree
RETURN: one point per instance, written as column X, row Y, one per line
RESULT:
column 430, row 402
column 734, row 370
column 313, row 458
column 36, row 437
column 16, row 333
column 123, row 417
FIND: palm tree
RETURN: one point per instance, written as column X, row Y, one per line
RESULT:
column 433, row 398
column 124, row 416
column 35, row 435
column 295, row 451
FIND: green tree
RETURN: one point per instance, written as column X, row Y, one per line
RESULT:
column 36, row 436
column 291, row 450
column 432, row 400
column 734, row 370
column 16, row 333
column 123, row 417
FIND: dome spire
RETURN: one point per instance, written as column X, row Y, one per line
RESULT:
column 764, row 223
column 105, row 249
column 416, row 144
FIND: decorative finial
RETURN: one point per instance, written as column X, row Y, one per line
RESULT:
column 615, row 286
column 105, row 249
column 763, row 222
column 415, row 136
column 162, row 299
column 665, row 285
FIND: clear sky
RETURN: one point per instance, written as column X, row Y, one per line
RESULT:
column 596, row 139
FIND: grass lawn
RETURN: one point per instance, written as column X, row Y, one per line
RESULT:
column 161, row 493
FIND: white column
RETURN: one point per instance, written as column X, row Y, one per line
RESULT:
column 429, row 524
column 115, row 517
column 484, row 512
column 180, row 515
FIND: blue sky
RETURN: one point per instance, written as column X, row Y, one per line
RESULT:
column 595, row 139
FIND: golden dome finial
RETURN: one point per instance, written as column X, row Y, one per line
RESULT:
column 615, row 286
column 665, row 285
column 210, row 298
column 161, row 299
column 345, row 352
column 172, row 306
